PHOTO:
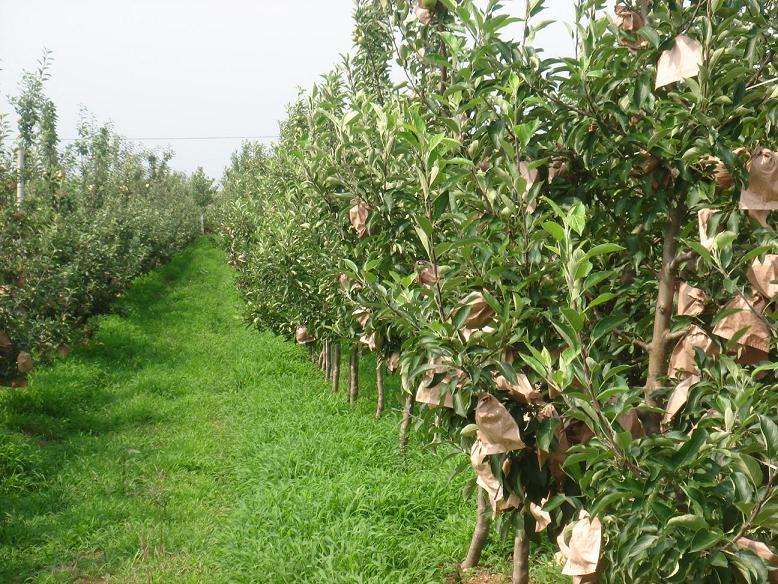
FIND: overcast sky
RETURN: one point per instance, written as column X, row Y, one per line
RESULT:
column 186, row 68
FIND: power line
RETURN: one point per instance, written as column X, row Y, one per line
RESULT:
column 183, row 138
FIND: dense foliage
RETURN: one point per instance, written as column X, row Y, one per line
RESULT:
column 95, row 215
column 573, row 257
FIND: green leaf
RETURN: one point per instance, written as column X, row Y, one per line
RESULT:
column 554, row 229
column 602, row 249
column 750, row 467
column 689, row 521
column 425, row 242
column 546, row 432
column 536, row 365
column 526, row 131
column 576, row 218
column 601, row 299
column 770, row 434
column 575, row 319
column 650, row 35
column 623, row 440
column 607, row 325
column 700, row 250
column 704, row 540
column 469, row 430
column 606, row 501
column 460, row 317
column 350, row 117
column 691, row 448
column 751, row 566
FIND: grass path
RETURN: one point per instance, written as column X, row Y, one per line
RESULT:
column 180, row 446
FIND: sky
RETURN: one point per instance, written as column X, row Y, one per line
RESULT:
column 162, row 70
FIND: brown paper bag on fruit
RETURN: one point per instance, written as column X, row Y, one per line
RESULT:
column 682, row 357
column 582, row 550
column 631, row 423
column 427, row 274
column 703, row 218
column 490, row 483
column 393, row 362
column 763, row 275
column 369, row 340
column 480, row 311
column 361, row 315
column 530, row 175
column 691, row 300
column 358, row 216
column 630, row 21
column 496, row 427
column 542, row 518
column 762, row 191
column 24, row 363
column 438, row 394
column 522, row 391
column 761, row 218
column 302, row 336
column 759, row 548
column 678, row 398
column 680, row 62
column 424, row 15
column 757, row 334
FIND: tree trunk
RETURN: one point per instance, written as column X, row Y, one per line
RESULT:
column 379, row 378
column 353, row 374
column 483, row 521
column 657, row 353
column 202, row 222
column 521, row 557
column 405, row 425
column 321, row 357
column 327, row 356
column 20, row 177
column 335, row 374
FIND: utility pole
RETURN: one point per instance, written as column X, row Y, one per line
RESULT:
column 20, row 175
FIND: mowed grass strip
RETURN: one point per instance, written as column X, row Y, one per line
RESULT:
column 180, row 446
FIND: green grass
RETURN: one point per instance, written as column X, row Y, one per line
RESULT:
column 180, row 446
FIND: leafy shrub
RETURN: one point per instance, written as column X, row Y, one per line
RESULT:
column 561, row 248
column 93, row 218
